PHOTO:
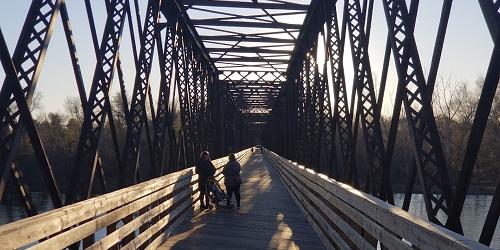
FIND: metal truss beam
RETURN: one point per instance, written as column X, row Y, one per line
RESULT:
column 426, row 143
column 139, row 95
column 369, row 110
column 246, row 5
column 163, row 127
column 342, row 116
column 15, row 115
column 251, row 59
column 243, row 38
column 85, row 165
column 209, row 22
column 491, row 12
column 249, row 50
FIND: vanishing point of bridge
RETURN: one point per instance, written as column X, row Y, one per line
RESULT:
column 231, row 75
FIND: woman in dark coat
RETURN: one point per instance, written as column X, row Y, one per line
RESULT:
column 232, row 179
column 205, row 170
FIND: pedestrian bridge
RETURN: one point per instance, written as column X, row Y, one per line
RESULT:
column 284, row 206
column 323, row 85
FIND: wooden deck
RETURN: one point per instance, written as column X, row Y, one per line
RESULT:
column 268, row 218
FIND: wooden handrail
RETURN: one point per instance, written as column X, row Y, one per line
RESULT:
column 155, row 207
column 345, row 217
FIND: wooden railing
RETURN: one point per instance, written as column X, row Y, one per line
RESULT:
column 347, row 218
column 140, row 216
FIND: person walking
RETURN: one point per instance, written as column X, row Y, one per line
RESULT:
column 205, row 170
column 232, row 180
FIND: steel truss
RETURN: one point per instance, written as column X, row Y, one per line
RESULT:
column 228, row 90
column 296, row 121
column 429, row 155
column 302, row 116
column 253, row 92
column 368, row 109
column 342, row 117
column 189, row 81
column 16, row 96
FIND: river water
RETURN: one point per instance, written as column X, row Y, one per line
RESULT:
column 473, row 214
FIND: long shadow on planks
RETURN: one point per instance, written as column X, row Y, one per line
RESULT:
column 268, row 218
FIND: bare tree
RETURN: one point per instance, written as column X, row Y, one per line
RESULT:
column 36, row 102
column 468, row 94
column 447, row 103
column 73, row 107
column 119, row 111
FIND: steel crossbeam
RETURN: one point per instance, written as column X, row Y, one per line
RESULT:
column 28, row 58
column 341, row 114
column 95, row 117
column 138, row 104
column 163, row 123
column 369, row 110
column 427, row 146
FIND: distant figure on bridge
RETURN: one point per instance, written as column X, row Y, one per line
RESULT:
column 205, row 170
column 232, row 179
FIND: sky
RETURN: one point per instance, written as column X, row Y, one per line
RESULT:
column 465, row 57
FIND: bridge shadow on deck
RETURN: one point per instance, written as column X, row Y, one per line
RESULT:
column 268, row 218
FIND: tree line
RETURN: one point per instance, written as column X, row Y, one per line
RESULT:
column 454, row 106
column 60, row 131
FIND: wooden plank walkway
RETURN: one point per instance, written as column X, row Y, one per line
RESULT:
column 268, row 218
